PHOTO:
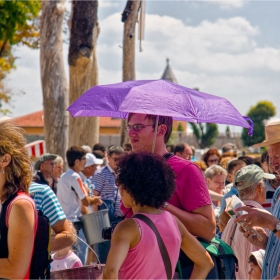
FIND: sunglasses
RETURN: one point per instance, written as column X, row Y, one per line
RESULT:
column 213, row 160
column 137, row 127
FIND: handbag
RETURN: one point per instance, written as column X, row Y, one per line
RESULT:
column 162, row 248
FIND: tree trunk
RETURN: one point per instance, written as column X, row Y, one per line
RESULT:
column 83, row 68
column 129, row 17
column 53, row 78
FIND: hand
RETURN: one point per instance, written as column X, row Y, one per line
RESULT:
column 96, row 200
column 256, row 217
column 252, row 237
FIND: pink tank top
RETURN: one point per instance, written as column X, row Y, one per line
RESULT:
column 144, row 261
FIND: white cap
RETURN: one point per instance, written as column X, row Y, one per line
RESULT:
column 91, row 160
column 259, row 256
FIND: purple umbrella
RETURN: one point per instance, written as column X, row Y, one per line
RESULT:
column 157, row 97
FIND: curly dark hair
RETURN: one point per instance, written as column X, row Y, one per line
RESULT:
column 147, row 178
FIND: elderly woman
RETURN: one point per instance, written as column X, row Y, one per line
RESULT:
column 146, row 182
column 18, row 214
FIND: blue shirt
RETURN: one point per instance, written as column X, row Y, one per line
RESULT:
column 272, row 252
column 46, row 201
column 104, row 181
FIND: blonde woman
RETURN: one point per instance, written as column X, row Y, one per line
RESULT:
column 18, row 215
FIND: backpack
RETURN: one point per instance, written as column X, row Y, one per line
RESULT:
column 41, row 257
column 225, row 262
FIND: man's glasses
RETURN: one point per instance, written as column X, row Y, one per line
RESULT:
column 137, row 127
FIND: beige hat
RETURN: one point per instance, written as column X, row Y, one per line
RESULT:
column 272, row 135
column 259, row 256
column 249, row 175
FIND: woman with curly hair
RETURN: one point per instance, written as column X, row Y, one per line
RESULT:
column 18, row 215
column 145, row 183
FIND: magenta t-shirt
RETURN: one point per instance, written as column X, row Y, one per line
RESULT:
column 144, row 261
column 191, row 191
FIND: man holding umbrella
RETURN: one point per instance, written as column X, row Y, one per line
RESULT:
column 191, row 202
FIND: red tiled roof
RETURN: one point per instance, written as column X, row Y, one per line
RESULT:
column 36, row 120
column 31, row 120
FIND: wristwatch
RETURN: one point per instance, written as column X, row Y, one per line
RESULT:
column 277, row 228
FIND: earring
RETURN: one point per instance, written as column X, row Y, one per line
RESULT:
column 3, row 171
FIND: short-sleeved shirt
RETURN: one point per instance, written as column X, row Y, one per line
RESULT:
column 191, row 191
column 104, row 182
column 272, row 256
column 46, row 201
column 70, row 192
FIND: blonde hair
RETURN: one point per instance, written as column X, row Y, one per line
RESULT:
column 18, row 172
column 58, row 160
column 214, row 170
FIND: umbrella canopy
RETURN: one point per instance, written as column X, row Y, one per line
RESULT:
column 157, row 97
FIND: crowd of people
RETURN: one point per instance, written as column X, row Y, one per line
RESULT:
column 182, row 197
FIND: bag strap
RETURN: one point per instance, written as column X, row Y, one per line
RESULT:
column 232, row 235
column 167, row 156
column 162, row 248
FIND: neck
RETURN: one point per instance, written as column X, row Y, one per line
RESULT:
column 76, row 169
column 63, row 253
column 160, row 150
column 145, row 209
column 45, row 174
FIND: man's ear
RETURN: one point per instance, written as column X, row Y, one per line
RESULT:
column 162, row 128
column 5, row 161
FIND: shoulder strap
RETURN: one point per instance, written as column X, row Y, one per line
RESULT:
column 232, row 234
column 167, row 156
column 162, row 248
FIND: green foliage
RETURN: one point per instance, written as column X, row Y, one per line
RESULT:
column 258, row 114
column 205, row 134
column 180, row 127
column 18, row 25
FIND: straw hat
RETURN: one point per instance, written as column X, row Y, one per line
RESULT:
column 272, row 135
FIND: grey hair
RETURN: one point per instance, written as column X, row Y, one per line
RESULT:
column 214, row 170
column 250, row 192
column 58, row 160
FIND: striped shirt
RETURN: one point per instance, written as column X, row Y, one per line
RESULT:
column 272, row 256
column 269, row 195
column 104, row 181
column 46, row 201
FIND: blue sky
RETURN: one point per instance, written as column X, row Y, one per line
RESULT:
column 226, row 48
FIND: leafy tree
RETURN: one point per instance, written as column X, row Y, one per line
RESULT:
column 262, row 111
column 205, row 134
column 18, row 25
column 180, row 127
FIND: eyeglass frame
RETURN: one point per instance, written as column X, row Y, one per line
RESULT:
column 129, row 127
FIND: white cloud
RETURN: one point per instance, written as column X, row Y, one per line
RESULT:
column 227, row 4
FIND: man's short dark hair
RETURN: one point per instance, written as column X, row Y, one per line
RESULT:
column 115, row 150
column 147, row 178
column 168, row 121
column 74, row 153
column 233, row 163
column 247, row 160
column 179, row 148
column 98, row 154
column 127, row 147
column 99, row 146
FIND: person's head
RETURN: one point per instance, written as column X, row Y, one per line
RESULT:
column 114, row 154
column 15, row 165
column 145, row 179
column 58, row 167
column 229, row 148
column 127, row 147
column 274, row 160
column 248, row 160
column 45, row 164
column 256, row 264
column 211, row 157
column 91, row 164
column 76, row 158
column 140, row 128
column 184, row 151
column 249, row 183
column 215, row 177
column 170, row 148
column 86, row 148
column 264, row 161
column 233, row 166
column 99, row 147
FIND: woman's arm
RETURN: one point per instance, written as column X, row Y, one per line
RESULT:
column 20, row 240
column 196, row 252
column 126, row 235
